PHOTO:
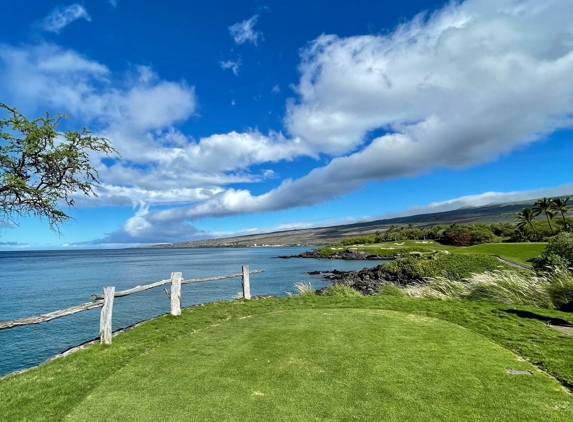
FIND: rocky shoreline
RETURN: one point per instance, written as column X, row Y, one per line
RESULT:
column 367, row 281
column 347, row 254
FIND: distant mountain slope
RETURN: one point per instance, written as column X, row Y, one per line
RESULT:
column 492, row 213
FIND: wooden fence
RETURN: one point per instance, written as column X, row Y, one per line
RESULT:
column 105, row 301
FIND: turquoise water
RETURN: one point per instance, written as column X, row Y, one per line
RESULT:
column 36, row 282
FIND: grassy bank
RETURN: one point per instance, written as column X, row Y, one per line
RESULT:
column 311, row 358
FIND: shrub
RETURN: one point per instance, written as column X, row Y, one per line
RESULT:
column 557, row 254
column 457, row 236
column 406, row 269
column 357, row 240
column 340, row 290
column 481, row 234
column 453, row 267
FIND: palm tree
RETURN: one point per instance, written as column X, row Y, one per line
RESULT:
column 560, row 206
column 520, row 231
column 545, row 206
column 526, row 216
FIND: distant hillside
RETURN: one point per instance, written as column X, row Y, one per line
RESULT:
column 492, row 213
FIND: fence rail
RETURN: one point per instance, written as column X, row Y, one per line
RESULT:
column 49, row 316
column 138, row 289
column 105, row 301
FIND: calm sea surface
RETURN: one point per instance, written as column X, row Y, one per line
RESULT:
column 36, row 282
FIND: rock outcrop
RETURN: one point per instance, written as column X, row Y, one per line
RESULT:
column 368, row 281
column 346, row 254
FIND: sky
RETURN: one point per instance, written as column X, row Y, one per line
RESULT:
column 240, row 117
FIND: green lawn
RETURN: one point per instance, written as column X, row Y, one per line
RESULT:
column 312, row 358
column 518, row 252
column 420, row 245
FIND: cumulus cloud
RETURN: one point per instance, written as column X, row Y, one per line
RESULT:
column 460, row 87
column 276, row 89
column 481, row 76
column 63, row 16
column 139, row 113
column 142, row 229
column 233, row 65
column 243, row 32
column 464, row 85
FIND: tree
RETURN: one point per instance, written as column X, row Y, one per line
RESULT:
column 545, row 206
column 521, row 234
column 560, row 206
column 41, row 169
column 557, row 254
column 526, row 216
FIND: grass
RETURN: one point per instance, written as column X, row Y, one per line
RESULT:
column 519, row 252
column 340, row 290
column 453, row 267
column 304, row 289
column 317, row 358
column 337, row 365
column 507, row 287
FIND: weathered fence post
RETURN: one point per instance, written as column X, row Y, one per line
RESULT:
column 105, row 316
column 176, row 293
column 246, row 282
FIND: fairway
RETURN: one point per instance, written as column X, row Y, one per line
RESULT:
column 519, row 252
column 327, row 364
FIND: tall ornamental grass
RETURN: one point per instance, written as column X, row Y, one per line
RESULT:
column 508, row 287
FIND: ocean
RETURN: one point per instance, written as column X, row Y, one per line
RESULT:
column 36, row 282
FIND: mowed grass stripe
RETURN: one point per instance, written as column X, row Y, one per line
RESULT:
column 327, row 364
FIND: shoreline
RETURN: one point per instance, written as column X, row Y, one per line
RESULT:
column 346, row 255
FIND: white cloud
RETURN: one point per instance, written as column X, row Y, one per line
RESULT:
column 139, row 230
column 138, row 113
column 244, row 31
column 63, row 16
column 113, row 3
column 473, row 81
column 233, row 65
column 481, row 77
column 276, row 89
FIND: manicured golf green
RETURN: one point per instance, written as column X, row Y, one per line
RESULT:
column 326, row 364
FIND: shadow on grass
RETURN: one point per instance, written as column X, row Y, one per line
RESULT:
column 532, row 315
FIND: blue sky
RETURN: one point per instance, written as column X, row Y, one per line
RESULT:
column 237, row 117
